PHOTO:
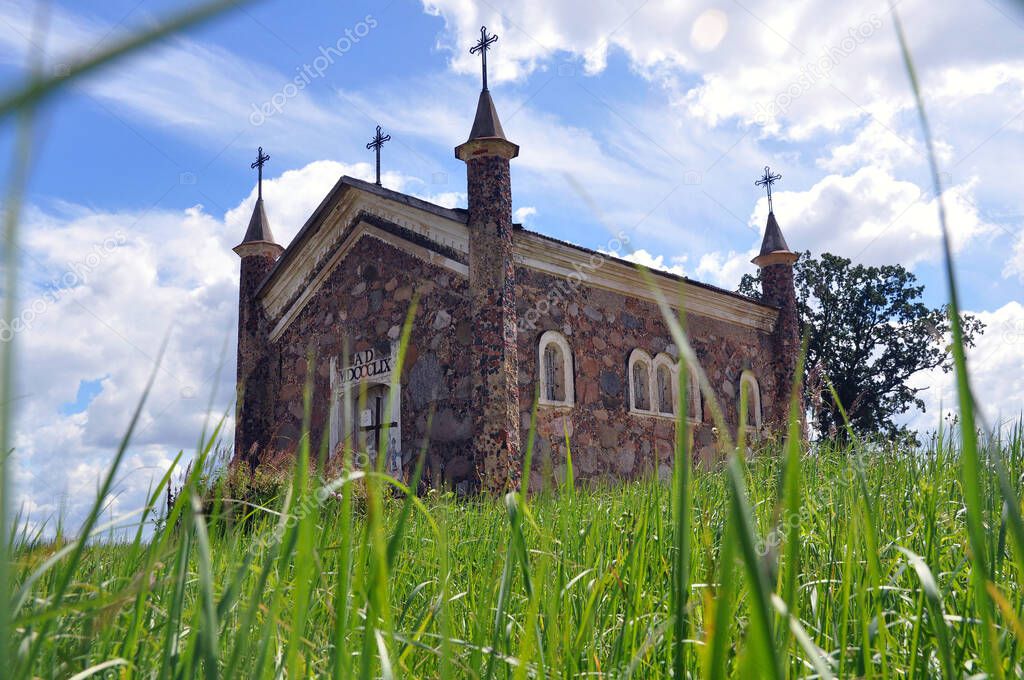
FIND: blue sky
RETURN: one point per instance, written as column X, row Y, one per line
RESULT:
column 651, row 117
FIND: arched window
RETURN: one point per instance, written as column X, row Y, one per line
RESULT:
column 695, row 406
column 641, row 390
column 748, row 384
column 554, row 360
column 666, row 385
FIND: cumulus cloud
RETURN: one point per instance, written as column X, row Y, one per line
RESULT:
column 96, row 309
column 642, row 257
column 1014, row 266
column 875, row 218
column 104, row 290
column 524, row 214
column 994, row 365
column 869, row 216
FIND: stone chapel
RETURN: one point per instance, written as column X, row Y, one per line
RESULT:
column 503, row 314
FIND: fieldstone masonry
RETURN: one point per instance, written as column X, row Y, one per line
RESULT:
column 496, row 442
column 466, row 391
column 258, row 253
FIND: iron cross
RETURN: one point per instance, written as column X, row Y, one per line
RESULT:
column 379, row 426
column 376, row 143
column 481, row 47
column 261, row 160
column 766, row 181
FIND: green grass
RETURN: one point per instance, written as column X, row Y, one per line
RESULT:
column 869, row 561
column 557, row 585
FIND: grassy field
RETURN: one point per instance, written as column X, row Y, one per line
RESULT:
column 873, row 568
column 862, row 561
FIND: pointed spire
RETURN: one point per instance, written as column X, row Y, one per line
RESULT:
column 486, row 124
column 486, row 135
column 259, row 225
column 258, row 239
column 773, row 240
column 774, row 249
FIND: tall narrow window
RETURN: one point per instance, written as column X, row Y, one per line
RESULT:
column 554, row 361
column 642, row 386
column 695, row 408
column 553, row 368
column 641, row 389
column 748, row 384
column 665, row 404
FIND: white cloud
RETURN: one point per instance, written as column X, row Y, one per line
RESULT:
column 869, row 216
column 198, row 88
column 642, row 257
column 104, row 289
column 1015, row 263
column 994, row 366
column 875, row 218
column 524, row 214
column 723, row 269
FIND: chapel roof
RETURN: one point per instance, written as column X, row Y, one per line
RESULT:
column 459, row 215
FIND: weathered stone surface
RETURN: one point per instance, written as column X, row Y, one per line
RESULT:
column 611, row 383
column 479, row 372
column 426, row 381
column 464, row 332
column 625, row 458
column 447, row 427
column 630, row 321
column 442, row 319
column 493, row 351
column 376, row 300
column 608, row 436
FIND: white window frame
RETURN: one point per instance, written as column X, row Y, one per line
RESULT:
column 695, row 407
column 753, row 400
column 640, row 356
column 556, row 338
column 664, row 360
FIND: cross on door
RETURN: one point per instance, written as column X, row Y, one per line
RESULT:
column 377, row 426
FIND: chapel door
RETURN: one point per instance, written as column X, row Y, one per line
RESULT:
column 377, row 420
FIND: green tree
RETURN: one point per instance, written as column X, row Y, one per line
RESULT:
column 868, row 332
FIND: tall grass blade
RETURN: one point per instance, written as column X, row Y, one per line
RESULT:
column 38, row 89
column 971, row 461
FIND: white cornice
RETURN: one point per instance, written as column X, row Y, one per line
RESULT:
column 362, row 229
column 295, row 281
column 291, row 288
column 565, row 261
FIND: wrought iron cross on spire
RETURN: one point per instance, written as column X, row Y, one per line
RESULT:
column 261, row 160
column 766, row 181
column 481, row 47
column 375, row 144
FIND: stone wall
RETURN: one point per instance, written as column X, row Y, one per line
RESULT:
column 603, row 328
column 253, row 370
column 492, row 291
column 778, row 286
column 366, row 299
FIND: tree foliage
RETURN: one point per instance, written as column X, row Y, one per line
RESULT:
column 868, row 333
